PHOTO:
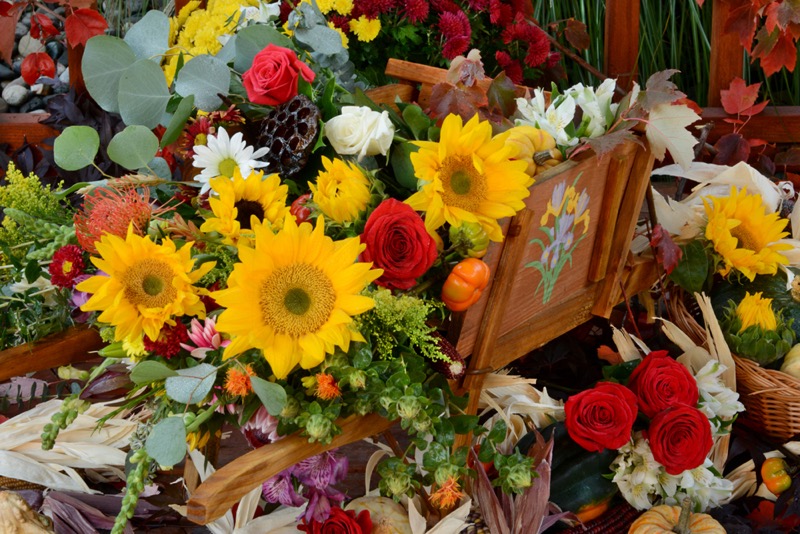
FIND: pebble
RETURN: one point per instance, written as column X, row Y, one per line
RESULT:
column 16, row 95
column 60, row 69
column 3, row 106
column 6, row 72
column 54, row 49
column 20, row 30
column 41, row 111
column 64, row 76
column 39, row 89
column 17, row 81
column 32, row 104
column 29, row 45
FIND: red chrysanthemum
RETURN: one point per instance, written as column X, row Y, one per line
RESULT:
column 510, row 66
column 169, row 340
column 538, row 47
column 500, row 14
column 196, row 133
column 553, row 58
column 110, row 210
column 286, row 8
column 372, row 9
column 340, row 21
column 455, row 46
column 67, row 265
column 445, row 6
column 454, row 24
column 478, row 5
column 416, row 10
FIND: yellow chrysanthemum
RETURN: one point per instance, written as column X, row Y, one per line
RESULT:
column 468, row 176
column 343, row 7
column 755, row 310
column 341, row 191
column 244, row 204
column 744, row 234
column 345, row 40
column 144, row 287
column 293, row 296
column 365, row 29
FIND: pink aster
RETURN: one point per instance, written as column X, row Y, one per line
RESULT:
column 204, row 337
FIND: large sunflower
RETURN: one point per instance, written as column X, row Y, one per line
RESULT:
column 293, row 296
column 240, row 200
column 468, row 176
column 744, row 234
column 144, row 287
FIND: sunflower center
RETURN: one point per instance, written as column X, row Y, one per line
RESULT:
column 297, row 299
column 227, row 166
column 246, row 208
column 148, row 283
column 746, row 238
column 463, row 185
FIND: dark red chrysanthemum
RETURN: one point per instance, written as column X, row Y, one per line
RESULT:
column 444, row 6
column 340, row 21
column 416, row 10
column 372, row 9
column 454, row 24
column 286, row 8
column 500, row 14
column 478, row 5
column 169, row 340
column 110, row 210
column 455, row 46
column 538, row 47
column 67, row 265
column 552, row 59
column 510, row 66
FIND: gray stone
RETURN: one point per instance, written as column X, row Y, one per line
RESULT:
column 40, row 89
column 29, row 45
column 6, row 72
column 3, row 106
column 60, row 69
column 64, row 76
column 38, row 111
column 16, row 95
column 32, row 104
column 20, row 30
column 26, row 19
column 54, row 49
column 18, row 81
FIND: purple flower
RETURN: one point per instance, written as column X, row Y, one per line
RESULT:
column 320, row 503
column 79, row 298
column 279, row 489
column 322, row 470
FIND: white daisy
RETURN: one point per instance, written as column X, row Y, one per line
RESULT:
column 223, row 154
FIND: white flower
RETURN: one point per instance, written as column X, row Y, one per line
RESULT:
column 360, row 131
column 558, row 118
column 716, row 400
column 42, row 286
column 263, row 13
column 223, row 154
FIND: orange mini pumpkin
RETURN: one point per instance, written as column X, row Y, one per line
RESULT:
column 664, row 519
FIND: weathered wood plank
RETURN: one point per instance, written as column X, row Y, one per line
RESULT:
column 70, row 346
column 775, row 124
column 621, row 41
column 16, row 128
column 726, row 52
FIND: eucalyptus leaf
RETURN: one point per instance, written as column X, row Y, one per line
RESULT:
column 105, row 59
column 204, row 77
column 149, row 38
column 192, row 385
column 272, row 396
column 178, row 121
column 252, row 40
column 166, row 443
column 143, row 94
column 133, row 147
column 76, row 147
column 150, row 371
column 157, row 167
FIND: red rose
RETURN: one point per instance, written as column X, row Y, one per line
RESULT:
column 398, row 243
column 341, row 522
column 272, row 79
column 680, row 438
column 660, row 382
column 601, row 417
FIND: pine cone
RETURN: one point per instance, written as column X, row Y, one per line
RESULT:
column 290, row 131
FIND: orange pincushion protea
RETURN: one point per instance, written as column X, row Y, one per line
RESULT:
column 110, row 210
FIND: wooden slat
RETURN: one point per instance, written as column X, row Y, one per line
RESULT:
column 726, row 52
column 16, row 128
column 621, row 41
column 72, row 345
column 7, row 28
column 229, row 484
column 387, row 94
column 775, row 124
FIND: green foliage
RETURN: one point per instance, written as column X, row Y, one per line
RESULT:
column 28, row 194
column 149, row 38
column 134, row 147
column 204, row 77
column 693, row 272
column 166, row 443
column 225, row 257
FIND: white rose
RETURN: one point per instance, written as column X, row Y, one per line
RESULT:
column 360, row 131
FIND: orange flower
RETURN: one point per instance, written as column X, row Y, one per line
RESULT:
column 327, row 388
column 110, row 210
column 237, row 381
column 447, row 496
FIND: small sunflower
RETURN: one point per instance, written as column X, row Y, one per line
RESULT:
column 744, row 235
column 341, row 191
column 468, row 176
column 245, row 203
column 293, row 296
column 145, row 285
column 755, row 310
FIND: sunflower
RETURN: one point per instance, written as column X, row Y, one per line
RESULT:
column 744, row 234
column 341, row 191
column 468, row 176
column 144, row 287
column 755, row 310
column 244, row 203
column 293, row 296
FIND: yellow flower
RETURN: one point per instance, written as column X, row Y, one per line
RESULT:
column 468, row 176
column 343, row 7
column 345, row 40
column 325, row 6
column 145, row 285
column 744, row 234
column 365, row 29
column 755, row 310
column 293, row 296
column 196, row 440
column 341, row 191
column 244, row 204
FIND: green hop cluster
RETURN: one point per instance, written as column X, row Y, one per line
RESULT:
column 70, row 409
column 137, row 479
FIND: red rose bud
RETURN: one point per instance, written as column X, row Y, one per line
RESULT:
column 455, row 366
column 301, row 212
column 659, row 382
column 273, row 77
column 601, row 417
column 341, row 522
column 680, row 438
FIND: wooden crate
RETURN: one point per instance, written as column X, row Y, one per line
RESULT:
column 70, row 346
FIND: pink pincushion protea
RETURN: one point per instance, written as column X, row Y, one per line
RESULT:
column 204, row 337
column 261, row 429
column 110, row 210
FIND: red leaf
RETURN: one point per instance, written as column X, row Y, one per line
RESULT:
column 776, row 51
column 84, row 24
column 742, row 20
column 576, row 34
column 34, row 66
column 668, row 254
column 739, row 96
column 731, row 149
column 700, row 2
column 42, row 27
column 733, row 121
column 77, row 4
column 5, row 9
column 464, row 101
column 757, row 142
column 755, row 110
column 691, row 104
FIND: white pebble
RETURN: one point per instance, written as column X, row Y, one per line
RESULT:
column 16, row 95
column 29, row 45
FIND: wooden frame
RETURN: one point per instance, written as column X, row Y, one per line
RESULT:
column 70, row 346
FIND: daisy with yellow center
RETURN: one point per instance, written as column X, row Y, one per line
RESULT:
column 293, row 296
column 468, row 176
column 237, row 381
column 755, row 310
column 242, row 204
column 744, row 235
column 341, row 191
column 145, row 285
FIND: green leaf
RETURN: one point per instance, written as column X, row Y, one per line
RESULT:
column 157, row 167
column 692, row 271
column 105, row 59
column 498, row 432
column 272, row 395
column 400, row 160
column 134, row 147
column 179, row 118
column 463, row 424
column 76, row 147
column 143, row 94
column 417, row 120
column 252, row 40
column 621, row 372
column 32, row 271
column 149, row 38
column 435, row 456
column 192, row 385
column 150, row 371
column 166, row 443
column 204, row 77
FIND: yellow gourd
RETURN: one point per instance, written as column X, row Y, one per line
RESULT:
column 536, row 147
column 664, row 519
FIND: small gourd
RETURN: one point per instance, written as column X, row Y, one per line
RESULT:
column 667, row 519
column 387, row 516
